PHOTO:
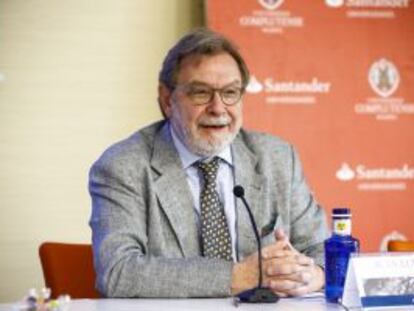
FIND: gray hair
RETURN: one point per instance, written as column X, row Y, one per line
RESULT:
column 199, row 42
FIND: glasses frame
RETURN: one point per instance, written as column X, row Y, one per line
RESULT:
column 220, row 91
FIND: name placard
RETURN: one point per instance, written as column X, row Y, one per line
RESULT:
column 379, row 280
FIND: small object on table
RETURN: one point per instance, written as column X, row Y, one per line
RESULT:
column 35, row 302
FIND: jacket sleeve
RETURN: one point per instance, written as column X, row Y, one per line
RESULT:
column 308, row 228
column 123, row 263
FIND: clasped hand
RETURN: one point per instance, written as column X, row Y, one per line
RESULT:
column 285, row 271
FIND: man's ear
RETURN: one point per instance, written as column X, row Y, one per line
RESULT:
column 164, row 100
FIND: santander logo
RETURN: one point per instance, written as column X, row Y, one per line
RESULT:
column 254, row 86
column 363, row 172
column 335, row 3
column 345, row 172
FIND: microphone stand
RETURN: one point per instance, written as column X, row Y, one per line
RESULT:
column 258, row 294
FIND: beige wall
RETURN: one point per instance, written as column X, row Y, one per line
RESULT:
column 75, row 76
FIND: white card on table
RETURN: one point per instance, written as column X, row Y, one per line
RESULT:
column 379, row 280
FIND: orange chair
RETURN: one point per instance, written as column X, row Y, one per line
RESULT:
column 400, row 246
column 68, row 269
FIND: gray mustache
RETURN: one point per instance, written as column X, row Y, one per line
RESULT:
column 215, row 121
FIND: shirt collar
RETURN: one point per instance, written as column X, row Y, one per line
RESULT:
column 188, row 158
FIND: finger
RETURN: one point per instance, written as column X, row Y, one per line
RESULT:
column 283, row 262
column 299, row 291
column 280, row 294
column 303, row 277
column 284, row 286
column 274, row 249
column 304, row 260
column 290, row 256
column 280, row 234
column 266, row 284
column 277, row 253
column 284, row 269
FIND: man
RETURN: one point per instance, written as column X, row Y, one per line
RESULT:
column 165, row 222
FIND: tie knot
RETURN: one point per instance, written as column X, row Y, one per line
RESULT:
column 209, row 169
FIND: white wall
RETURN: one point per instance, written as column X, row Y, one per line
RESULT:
column 75, row 76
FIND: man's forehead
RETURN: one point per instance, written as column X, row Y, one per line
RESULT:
column 196, row 63
column 200, row 84
column 195, row 60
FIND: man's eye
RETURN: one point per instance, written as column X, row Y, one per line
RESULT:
column 230, row 92
column 199, row 92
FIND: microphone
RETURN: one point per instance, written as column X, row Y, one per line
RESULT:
column 258, row 294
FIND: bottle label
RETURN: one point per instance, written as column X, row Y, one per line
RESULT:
column 342, row 226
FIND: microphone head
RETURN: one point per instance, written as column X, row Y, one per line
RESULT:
column 238, row 191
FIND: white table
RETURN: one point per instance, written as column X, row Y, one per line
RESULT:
column 286, row 304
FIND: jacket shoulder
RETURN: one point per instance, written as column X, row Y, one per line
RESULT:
column 263, row 143
column 136, row 148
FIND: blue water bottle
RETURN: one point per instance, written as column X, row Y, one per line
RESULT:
column 337, row 252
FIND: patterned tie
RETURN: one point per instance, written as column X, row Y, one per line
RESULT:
column 215, row 234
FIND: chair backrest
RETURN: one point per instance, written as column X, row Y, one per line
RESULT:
column 400, row 246
column 68, row 269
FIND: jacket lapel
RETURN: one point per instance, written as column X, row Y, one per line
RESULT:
column 173, row 192
column 247, row 175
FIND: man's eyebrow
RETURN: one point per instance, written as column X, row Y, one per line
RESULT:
column 200, row 83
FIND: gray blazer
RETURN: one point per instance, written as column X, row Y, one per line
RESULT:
column 145, row 239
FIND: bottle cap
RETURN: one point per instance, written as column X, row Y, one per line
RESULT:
column 341, row 211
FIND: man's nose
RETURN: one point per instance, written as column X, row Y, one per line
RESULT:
column 216, row 104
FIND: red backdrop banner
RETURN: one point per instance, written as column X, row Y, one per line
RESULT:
column 336, row 79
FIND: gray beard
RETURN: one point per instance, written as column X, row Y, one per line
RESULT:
column 197, row 145
column 207, row 149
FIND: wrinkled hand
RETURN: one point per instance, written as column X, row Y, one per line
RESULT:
column 245, row 274
column 288, row 272
column 285, row 270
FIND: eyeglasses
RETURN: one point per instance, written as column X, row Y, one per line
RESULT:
column 201, row 94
